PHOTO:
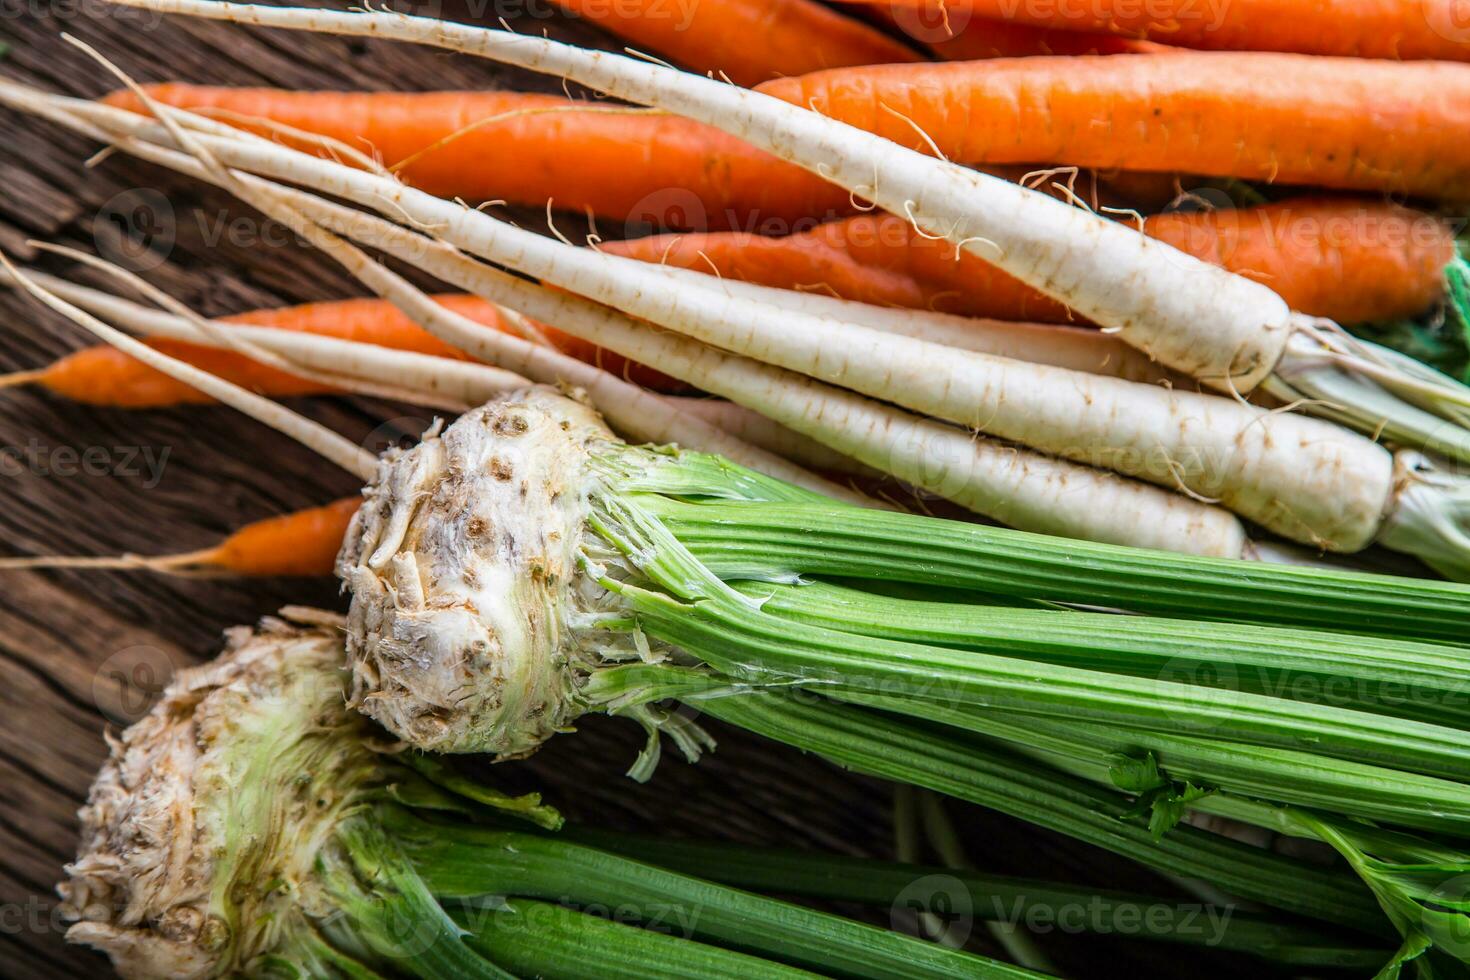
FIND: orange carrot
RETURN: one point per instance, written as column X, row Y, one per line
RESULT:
column 1335, row 122
column 624, row 165
column 1395, row 29
column 303, row 543
column 747, row 41
column 1351, row 260
column 961, row 37
column 982, row 38
column 105, row 376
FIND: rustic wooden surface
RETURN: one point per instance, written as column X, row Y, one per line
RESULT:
column 80, row 651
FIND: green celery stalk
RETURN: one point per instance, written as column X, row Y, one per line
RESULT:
column 969, row 769
column 774, row 541
column 469, row 862
column 995, row 897
column 539, row 939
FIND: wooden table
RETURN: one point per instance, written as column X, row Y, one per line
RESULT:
column 81, row 651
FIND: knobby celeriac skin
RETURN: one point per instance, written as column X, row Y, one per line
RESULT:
column 469, row 622
column 184, row 869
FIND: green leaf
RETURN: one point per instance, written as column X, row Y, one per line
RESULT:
column 1135, row 774
column 1169, row 806
column 1415, row 945
column 528, row 807
column 1161, row 799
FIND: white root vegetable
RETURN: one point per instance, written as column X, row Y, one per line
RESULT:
column 1022, row 489
column 758, row 430
column 639, row 414
column 1221, row 328
column 1077, row 348
column 1308, row 480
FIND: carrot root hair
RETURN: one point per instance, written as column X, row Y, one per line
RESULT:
column 20, row 378
column 180, row 564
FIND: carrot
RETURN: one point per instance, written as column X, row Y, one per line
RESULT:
column 982, row 38
column 1347, row 259
column 875, row 259
column 304, row 543
column 746, row 41
column 102, row 375
column 630, row 166
column 965, row 38
column 1333, row 122
column 1396, row 29
column 693, row 178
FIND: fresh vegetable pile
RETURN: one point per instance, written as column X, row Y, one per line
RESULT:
column 671, row 491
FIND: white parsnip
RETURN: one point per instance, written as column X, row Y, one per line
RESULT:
column 438, row 382
column 1077, row 348
column 1016, row 487
column 1306, row 479
column 353, row 366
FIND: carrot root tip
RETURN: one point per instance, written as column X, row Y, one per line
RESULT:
column 166, row 564
column 20, row 378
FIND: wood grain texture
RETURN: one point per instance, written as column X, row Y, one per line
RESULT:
column 82, row 651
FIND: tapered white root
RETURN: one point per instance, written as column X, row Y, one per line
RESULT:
column 1075, row 348
column 438, row 382
column 351, row 366
column 758, row 430
column 640, row 414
